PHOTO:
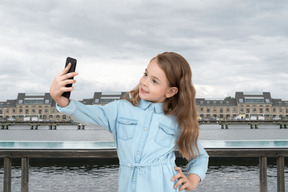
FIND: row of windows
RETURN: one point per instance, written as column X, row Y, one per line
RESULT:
column 267, row 110
column 43, row 117
column 228, row 116
column 215, row 102
column 254, row 105
column 28, row 111
column 242, row 110
column 106, row 100
column 221, row 110
column 217, row 116
column 208, row 110
column 254, row 100
column 255, row 110
column 34, row 101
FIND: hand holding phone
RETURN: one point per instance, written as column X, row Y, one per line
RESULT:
column 72, row 69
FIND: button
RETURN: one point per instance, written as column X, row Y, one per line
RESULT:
column 145, row 129
column 134, row 177
column 138, row 152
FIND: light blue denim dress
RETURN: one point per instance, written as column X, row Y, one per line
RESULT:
column 145, row 139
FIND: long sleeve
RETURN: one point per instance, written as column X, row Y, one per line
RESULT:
column 199, row 165
column 104, row 116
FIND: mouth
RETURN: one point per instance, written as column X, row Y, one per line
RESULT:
column 143, row 91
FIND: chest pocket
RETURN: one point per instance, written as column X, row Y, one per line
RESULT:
column 165, row 135
column 126, row 128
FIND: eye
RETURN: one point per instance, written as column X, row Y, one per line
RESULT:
column 145, row 74
column 154, row 81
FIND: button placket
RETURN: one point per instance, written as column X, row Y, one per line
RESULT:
column 144, row 133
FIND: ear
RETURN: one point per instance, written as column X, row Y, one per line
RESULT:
column 171, row 91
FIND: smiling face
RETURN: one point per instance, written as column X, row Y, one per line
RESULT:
column 154, row 86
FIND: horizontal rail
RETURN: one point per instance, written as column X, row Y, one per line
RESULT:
column 200, row 121
column 243, row 121
column 283, row 124
column 112, row 153
column 26, row 154
column 34, row 125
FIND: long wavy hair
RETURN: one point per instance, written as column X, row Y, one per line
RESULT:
column 182, row 105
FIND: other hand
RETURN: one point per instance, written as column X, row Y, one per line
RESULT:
column 188, row 183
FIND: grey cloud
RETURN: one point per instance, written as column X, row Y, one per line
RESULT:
column 229, row 44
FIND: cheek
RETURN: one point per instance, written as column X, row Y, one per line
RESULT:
column 141, row 80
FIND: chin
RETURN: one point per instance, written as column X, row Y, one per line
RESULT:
column 141, row 96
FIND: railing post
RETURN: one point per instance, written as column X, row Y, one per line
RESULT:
column 25, row 174
column 280, row 175
column 263, row 174
column 7, row 175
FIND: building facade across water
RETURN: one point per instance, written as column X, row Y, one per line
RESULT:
column 245, row 105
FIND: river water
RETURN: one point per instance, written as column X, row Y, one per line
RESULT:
column 73, row 175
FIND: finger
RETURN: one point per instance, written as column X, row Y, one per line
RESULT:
column 178, row 183
column 67, row 76
column 63, row 84
column 178, row 169
column 66, row 69
column 177, row 176
column 69, row 81
column 66, row 89
column 68, row 66
column 59, row 84
column 184, row 186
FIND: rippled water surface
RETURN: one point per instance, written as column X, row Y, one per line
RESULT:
column 224, row 178
column 102, row 175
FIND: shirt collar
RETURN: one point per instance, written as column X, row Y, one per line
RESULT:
column 156, row 107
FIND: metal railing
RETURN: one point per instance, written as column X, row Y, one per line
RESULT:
column 26, row 154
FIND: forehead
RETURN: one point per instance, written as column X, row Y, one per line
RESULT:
column 154, row 69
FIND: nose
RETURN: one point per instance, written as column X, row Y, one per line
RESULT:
column 144, row 81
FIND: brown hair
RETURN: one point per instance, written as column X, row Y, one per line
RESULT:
column 182, row 105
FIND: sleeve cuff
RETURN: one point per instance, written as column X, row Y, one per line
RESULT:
column 69, row 109
column 198, row 171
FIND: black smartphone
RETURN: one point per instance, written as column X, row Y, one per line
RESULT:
column 72, row 69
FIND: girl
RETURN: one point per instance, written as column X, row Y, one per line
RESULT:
column 158, row 117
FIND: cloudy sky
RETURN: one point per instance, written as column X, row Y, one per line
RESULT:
column 231, row 45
